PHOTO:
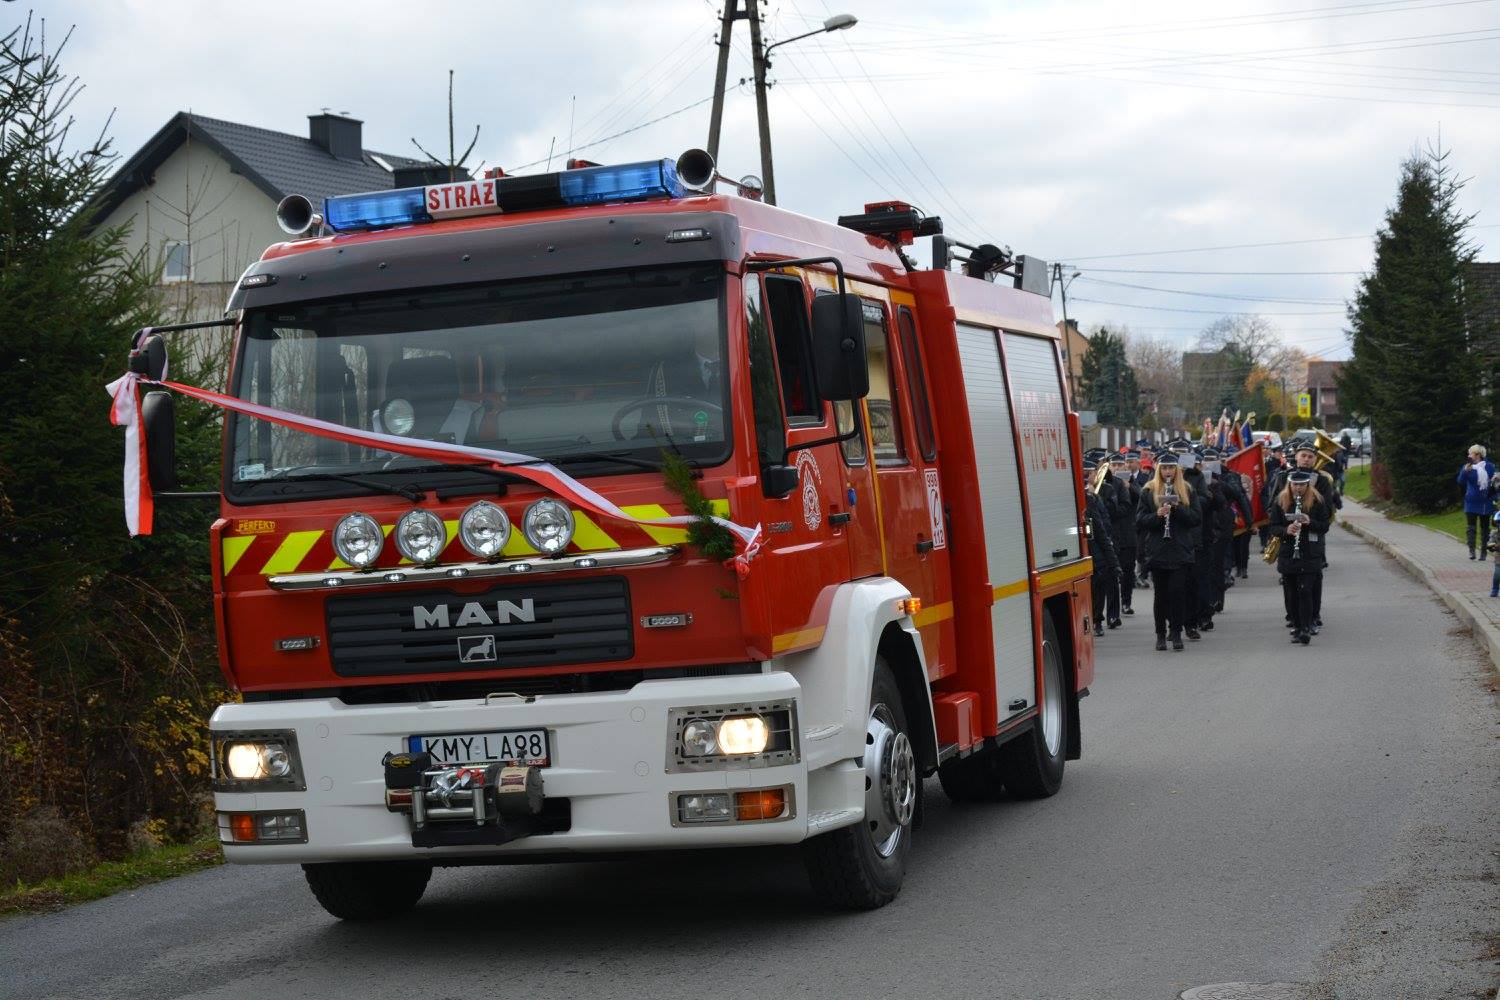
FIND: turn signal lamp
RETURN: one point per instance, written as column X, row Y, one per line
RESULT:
column 908, row 605
column 761, row 803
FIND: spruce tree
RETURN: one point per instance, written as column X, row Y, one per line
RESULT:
column 106, row 644
column 1412, row 373
column 1107, row 382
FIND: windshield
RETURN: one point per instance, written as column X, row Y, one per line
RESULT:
column 621, row 364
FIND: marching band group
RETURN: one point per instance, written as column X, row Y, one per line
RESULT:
column 1179, row 523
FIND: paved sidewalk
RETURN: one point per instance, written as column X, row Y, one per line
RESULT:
column 1441, row 562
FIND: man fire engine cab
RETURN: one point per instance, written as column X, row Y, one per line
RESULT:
column 444, row 663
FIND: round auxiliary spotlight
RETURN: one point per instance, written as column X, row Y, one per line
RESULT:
column 420, row 536
column 484, row 529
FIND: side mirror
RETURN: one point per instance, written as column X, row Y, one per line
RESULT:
column 778, row 480
column 150, row 358
column 159, row 423
column 840, row 368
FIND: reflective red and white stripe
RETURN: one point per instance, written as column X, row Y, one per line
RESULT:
column 126, row 412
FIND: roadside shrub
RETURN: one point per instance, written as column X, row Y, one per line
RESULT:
column 41, row 844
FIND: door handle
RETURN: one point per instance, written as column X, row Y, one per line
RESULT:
column 837, row 519
column 924, row 546
column 1059, row 553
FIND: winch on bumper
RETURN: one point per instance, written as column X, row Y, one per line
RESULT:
column 616, row 779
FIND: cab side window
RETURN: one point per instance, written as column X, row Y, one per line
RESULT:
column 916, row 377
column 765, row 400
column 885, row 417
column 787, row 304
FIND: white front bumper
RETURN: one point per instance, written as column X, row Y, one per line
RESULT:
column 609, row 759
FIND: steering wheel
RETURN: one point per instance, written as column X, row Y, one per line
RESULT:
column 640, row 404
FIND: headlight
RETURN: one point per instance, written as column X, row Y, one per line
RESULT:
column 548, row 526
column 420, row 536
column 358, row 540
column 398, row 417
column 247, row 760
column 484, row 529
column 743, row 734
column 708, row 738
column 256, row 761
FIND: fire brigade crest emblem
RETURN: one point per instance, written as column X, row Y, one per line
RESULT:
column 812, row 501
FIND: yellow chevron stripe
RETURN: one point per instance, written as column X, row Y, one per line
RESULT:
column 589, row 536
column 235, row 547
column 668, row 536
column 290, row 553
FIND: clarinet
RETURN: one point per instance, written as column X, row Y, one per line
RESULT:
column 1297, row 538
column 1166, row 523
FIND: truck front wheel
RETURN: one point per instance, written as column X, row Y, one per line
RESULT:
column 861, row 867
column 368, row 890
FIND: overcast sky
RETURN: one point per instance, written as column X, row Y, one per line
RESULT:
column 1121, row 138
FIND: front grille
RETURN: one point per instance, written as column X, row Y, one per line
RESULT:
column 515, row 626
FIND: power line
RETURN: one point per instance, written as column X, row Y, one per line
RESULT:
column 1209, row 312
column 1255, row 274
column 1240, row 246
column 633, row 128
column 1212, row 295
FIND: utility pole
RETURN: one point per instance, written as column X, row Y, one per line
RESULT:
column 1057, row 277
column 762, row 112
column 716, row 120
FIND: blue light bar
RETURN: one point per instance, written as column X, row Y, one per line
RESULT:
column 625, row 182
column 376, row 209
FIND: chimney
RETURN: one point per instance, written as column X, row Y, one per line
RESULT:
column 338, row 135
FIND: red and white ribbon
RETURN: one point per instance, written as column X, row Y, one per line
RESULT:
column 126, row 412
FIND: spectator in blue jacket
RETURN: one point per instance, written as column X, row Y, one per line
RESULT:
column 1475, row 477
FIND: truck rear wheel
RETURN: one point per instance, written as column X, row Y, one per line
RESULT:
column 368, row 890
column 861, row 867
column 1032, row 764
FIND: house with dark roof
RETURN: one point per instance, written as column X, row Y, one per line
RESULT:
column 200, row 196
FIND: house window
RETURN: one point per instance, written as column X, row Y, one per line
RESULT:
column 176, row 261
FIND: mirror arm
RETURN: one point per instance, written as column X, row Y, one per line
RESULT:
column 146, row 331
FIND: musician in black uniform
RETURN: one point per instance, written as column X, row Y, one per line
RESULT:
column 1300, row 518
column 1306, row 460
column 1200, row 600
column 1122, row 527
column 1101, row 546
column 1166, row 517
column 1139, row 477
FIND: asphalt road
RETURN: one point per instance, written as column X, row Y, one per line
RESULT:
column 1245, row 811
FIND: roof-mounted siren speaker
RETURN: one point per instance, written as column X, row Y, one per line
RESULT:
column 696, row 170
column 295, row 215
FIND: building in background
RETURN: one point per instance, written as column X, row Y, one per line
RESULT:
column 1074, row 346
column 1322, row 387
column 200, row 196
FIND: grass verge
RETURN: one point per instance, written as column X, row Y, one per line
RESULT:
column 1357, row 487
column 110, row 877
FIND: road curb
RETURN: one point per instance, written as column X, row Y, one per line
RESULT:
column 1485, row 633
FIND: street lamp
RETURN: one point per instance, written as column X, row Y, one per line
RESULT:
column 838, row 22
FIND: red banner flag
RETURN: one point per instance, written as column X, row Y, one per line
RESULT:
column 1250, row 464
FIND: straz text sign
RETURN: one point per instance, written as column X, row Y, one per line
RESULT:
column 461, row 198
column 1044, row 435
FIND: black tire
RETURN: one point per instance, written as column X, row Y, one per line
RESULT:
column 845, row 866
column 1030, row 768
column 370, row 890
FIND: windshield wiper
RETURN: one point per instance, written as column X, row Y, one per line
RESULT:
column 409, row 492
column 618, row 458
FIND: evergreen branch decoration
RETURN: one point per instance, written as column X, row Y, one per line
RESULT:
column 715, row 541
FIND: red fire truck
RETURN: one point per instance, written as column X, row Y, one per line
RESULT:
column 446, row 664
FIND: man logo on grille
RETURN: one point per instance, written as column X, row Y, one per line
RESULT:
column 476, row 649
